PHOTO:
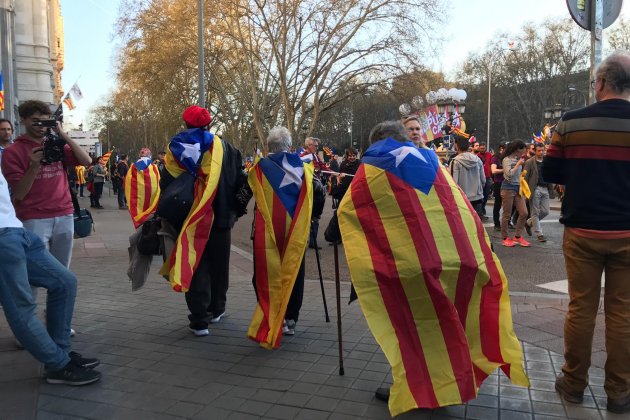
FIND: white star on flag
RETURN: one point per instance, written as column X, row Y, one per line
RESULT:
column 292, row 175
column 191, row 151
column 402, row 152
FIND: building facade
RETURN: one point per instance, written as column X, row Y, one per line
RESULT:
column 31, row 52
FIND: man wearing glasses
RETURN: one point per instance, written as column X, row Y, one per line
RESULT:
column 590, row 156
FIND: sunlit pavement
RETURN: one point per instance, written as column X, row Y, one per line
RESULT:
column 153, row 368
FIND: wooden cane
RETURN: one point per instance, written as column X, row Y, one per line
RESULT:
column 338, row 290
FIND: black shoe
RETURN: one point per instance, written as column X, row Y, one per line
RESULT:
column 619, row 405
column 497, row 228
column 73, row 375
column 123, row 208
column 99, row 207
column 382, row 394
column 84, row 362
column 313, row 247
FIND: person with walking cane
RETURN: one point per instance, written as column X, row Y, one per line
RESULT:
column 287, row 198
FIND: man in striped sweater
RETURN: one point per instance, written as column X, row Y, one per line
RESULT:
column 590, row 156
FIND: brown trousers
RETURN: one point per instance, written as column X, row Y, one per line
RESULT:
column 512, row 198
column 586, row 259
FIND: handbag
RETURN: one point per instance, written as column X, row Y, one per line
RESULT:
column 177, row 199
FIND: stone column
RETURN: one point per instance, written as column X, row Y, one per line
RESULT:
column 7, row 62
column 32, row 58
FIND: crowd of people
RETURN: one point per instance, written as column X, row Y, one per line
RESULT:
column 204, row 191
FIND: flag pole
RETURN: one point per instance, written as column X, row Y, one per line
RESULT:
column 338, row 293
column 319, row 269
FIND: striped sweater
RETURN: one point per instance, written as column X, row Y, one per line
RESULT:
column 590, row 155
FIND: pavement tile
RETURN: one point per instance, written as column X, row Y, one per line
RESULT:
column 515, row 415
column 309, row 414
column 550, row 409
column 283, row 412
column 579, row 412
column 184, row 409
column 515, row 404
column 482, row 413
column 322, row 403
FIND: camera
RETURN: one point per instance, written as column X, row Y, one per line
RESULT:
column 53, row 144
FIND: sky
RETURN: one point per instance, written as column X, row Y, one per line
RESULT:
column 90, row 45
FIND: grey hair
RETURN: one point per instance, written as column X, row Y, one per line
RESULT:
column 615, row 71
column 279, row 140
column 308, row 140
column 386, row 129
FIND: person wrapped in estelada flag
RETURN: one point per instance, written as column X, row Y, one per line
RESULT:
column 287, row 197
column 142, row 188
column 433, row 293
column 202, row 176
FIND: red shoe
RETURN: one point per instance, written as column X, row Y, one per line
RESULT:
column 508, row 242
column 521, row 241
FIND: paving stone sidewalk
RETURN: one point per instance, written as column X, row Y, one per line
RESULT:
column 153, row 368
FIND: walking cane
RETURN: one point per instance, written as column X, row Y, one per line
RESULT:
column 338, row 292
column 319, row 269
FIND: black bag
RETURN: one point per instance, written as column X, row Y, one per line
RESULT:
column 83, row 223
column 176, row 200
column 149, row 243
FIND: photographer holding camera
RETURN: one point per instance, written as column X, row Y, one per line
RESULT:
column 34, row 166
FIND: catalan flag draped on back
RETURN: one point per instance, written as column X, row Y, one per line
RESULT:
column 142, row 190
column 433, row 292
column 283, row 189
column 200, row 153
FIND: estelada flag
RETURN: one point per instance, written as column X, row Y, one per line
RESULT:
column 199, row 153
column 106, row 157
column 433, row 293
column 142, row 190
column 283, row 189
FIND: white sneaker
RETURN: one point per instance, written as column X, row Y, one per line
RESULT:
column 288, row 328
column 216, row 319
column 199, row 333
column 72, row 332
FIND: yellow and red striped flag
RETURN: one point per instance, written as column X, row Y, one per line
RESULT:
column 201, row 153
column 69, row 102
column 142, row 190
column 1, row 94
column 106, row 157
column 432, row 291
column 283, row 189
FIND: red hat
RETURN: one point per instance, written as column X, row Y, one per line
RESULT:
column 196, row 116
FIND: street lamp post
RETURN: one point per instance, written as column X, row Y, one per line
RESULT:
column 582, row 94
column 202, row 87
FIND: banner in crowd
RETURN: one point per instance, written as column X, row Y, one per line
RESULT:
column 432, row 122
column 433, row 293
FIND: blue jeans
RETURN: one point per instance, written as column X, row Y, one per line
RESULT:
column 25, row 262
